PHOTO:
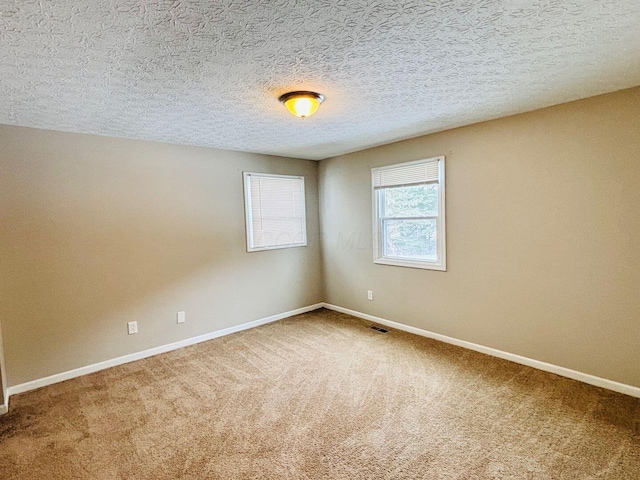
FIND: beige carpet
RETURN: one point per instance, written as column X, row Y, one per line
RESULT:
column 321, row 396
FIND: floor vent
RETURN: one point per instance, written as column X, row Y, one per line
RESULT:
column 378, row 329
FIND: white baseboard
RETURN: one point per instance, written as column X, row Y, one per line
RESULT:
column 60, row 377
column 547, row 367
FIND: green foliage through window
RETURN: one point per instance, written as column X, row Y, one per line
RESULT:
column 411, row 201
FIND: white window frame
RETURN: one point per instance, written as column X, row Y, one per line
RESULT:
column 378, row 241
column 246, row 177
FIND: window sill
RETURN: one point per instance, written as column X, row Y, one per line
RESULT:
column 276, row 247
column 398, row 262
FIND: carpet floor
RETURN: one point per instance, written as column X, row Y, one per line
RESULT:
column 321, row 396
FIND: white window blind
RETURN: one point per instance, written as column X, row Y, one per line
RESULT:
column 275, row 211
column 411, row 174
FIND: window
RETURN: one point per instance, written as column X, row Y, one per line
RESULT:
column 275, row 211
column 408, row 204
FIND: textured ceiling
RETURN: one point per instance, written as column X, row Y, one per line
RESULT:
column 209, row 72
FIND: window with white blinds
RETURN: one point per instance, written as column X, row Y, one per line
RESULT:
column 426, row 171
column 409, row 214
column 275, row 211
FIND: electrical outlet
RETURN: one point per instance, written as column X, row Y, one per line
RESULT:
column 370, row 294
column 182, row 317
column 132, row 327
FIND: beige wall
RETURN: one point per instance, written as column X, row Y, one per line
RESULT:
column 3, row 377
column 543, row 236
column 543, row 254
column 99, row 231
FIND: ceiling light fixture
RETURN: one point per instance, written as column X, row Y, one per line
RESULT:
column 302, row 104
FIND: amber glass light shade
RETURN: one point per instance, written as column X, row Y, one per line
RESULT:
column 302, row 104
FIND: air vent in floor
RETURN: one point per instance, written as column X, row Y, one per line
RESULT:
column 378, row 329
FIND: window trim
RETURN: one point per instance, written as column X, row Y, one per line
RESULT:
column 248, row 212
column 378, row 231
